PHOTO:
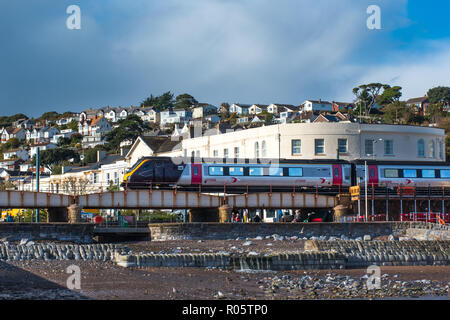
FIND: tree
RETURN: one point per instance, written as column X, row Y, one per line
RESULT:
column 367, row 95
column 51, row 115
column 390, row 95
column 63, row 141
column 185, row 101
column 439, row 95
column 162, row 102
column 398, row 112
column 53, row 157
column 6, row 121
column 12, row 143
column 435, row 112
column 128, row 129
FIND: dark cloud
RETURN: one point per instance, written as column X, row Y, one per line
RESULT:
column 217, row 50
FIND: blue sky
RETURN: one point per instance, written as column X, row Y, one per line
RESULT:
column 248, row 51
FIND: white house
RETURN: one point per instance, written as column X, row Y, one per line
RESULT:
column 203, row 110
column 42, row 146
column 316, row 106
column 67, row 133
column 16, row 154
column 93, row 126
column 257, row 108
column 240, row 109
column 8, row 133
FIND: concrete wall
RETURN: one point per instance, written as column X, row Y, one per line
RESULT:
column 224, row 231
column 80, row 232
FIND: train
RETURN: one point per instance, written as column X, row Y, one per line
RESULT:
column 247, row 175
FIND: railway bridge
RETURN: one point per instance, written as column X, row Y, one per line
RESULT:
column 199, row 203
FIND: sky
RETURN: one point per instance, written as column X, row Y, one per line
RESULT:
column 235, row 51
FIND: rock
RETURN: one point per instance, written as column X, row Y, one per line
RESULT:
column 247, row 243
column 23, row 241
column 367, row 237
column 30, row 243
column 259, row 238
column 358, row 239
column 391, row 237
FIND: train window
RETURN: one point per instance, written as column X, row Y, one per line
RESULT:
column 391, row 173
column 215, row 171
column 372, row 173
column 256, row 171
column 428, row 173
column 409, row 173
column 276, row 171
column 445, row 173
column 296, row 172
column 236, row 171
column 195, row 171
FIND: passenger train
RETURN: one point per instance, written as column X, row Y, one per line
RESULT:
column 279, row 175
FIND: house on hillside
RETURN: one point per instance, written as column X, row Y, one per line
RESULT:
column 240, row 109
column 42, row 146
column 172, row 116
column 420, row 104
column 9, row 133
column 316, row 106
column 202, row 110
column 16, row 154
column 257, row 108
column 94, row 126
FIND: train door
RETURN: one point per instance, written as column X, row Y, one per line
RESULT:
column 159, row 171
column 373, row 175
column 337, row 175
column 196, row 173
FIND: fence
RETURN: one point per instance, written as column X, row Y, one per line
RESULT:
column 433, row 217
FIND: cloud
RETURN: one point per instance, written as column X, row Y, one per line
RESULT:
column 250, row 51
column 414, row 71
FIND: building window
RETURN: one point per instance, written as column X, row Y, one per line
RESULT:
column 389, row 147
column 236, row 152
column 432, row 149
column 319, row 146
column 216, row 153
column 421, row 148
column 193, row 154
column 185, row 153
column 225, row 153
column 296, row 146
column 264, row 149
column 257, row 150
column 198, row 154
column 369, row 147
column 107, row 177
column 441, row 150
column 342, row 145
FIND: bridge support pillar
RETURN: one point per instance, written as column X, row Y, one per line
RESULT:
column 225, row 213
column 57, row 215
column 341, row 211
column 204, row 215
column 74, row 213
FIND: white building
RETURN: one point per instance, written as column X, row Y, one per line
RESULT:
column 316, row 106
column 16, row 154
column 42, row 146
column 322, row 141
